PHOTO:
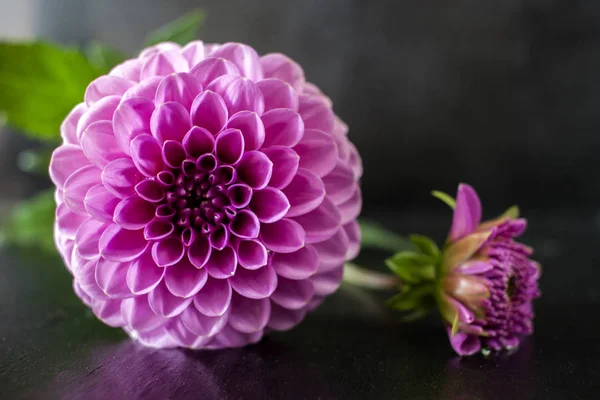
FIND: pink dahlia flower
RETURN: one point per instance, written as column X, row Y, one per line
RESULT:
column 487, row 280
column 205, row 195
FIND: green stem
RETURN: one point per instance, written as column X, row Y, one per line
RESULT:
column 370, row 279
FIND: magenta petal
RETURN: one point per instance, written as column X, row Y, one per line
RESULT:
column 109, row 312
column 321, row 223
column 283, row 236
column 239, row 195
column 252, row 254
column 182, row 336
column 68, row 128
column 146, row 89
column 278, row 94
column 181, row 88
column 194, row 52
column 318, row 152
column 327, row 283
column 269, row 204
column 305, row 192
column 100, row 111
column 277, row 65
column 230, row 146
column 255, row 169
column 352, row 230
column 185, row 280
column 473, row 267
column 230, row 338
column 243, row 95
column 118, row 244
column 143, row 274
column 85, row 273
column 99, row 144
column 163, row 64
column 210, row 69
column 467, row 214
column 198, row 141
column 77, row 186
column 100, row 203
column 157, row 230
column 67, row 221
column 111, row 278
column 340, row 183
column 164, row 303
column 251, row 126
column 293, row 294
column 201, row 324
column 332, row 252
column 244, row 57
column 222, row 263
column 316, row 113
column 350, row 209
column 245, row 225
column 300, row 264
column 106, row 85
column 214, row 298
column 138, row 315
column 87, row 238
column 255, row 284
column 209, row 111
column 249, row 315
column 120, row 177
column 158, row 48
column 199, row 251
column 170, row 121
column 131, row 118
column 173, row 153
column 283, row 127
column 146, row 155
column 283, row 319
column 219, row 237
column 129, row 69
column 285, row 165
column 168, row 251
column 463, row 344
column 66, row 159
column 134, row 213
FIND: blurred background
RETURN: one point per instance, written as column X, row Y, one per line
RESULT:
column 501, row 94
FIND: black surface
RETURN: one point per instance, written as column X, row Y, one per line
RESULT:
column 351, row 348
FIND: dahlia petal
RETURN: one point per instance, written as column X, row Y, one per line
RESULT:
column 244, row 57
column 185, row 280
column 350, row 209
column 332, row 251
column 201, row 324
column 198, row 141
column 269, row 204
column 300, row 264
column 129, row 69
column 85, row 274
column 134, row 213
column 163, row 64
column 251, row 254
column 249, row 315
column 254, row 284
column 170, row 121
column 352, row 230
column 251, row 126
column 316, row 113
column 194, row 52
column 99, row 144
column 145, row 89
column 219, row 237
column 473, row 267
column 321, row 223
column 293, row 294
column 67, row 221
column 239, row 195
column 326, row 283
column 465, row 315
column 283, row 127
column 279, row 66
column 181, row 88
column 85, row 298
column 283, row 319
column 255, row 169
column 206, row 163
column 222, row 263
column 120, row 177
column 224, row 175
column 209, row 111
column 111, row 278
column 100, row 203
column 131, row 118
column 305, row 193
column 245, row 225
column 318, row 152
column 109, row 312
column 182, row 336
column 157, row 230
column 230, row 338
column 158, row 48
column 355, row 161
column 118, row 244
column 467, row 214
column 164, row 303
column 214, row 298
column 101, row 110
column 283, row 236
column 68, row 128
column 168, row 251
column 106, row 85
column 199, row 251
column 463, row 344
column 229, row 146
column 87, row 238
column 240, row 94
column 210, row 69
column 143, row 275
column 285, row 165
column 340, row 184
column 77, row 185
column 173, row 153
column 146, row 155
column 66, row 159
column 278, row 94
column 138, row 315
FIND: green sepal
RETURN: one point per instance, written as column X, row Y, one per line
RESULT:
column 103, row 57
column 412, row 267
column 413, row 297
column 512, row 213
column 425, row 245
column 463, row 249
column 445, row 197
column 180, row 31
column 455, row 324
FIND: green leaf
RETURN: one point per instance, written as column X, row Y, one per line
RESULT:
column 31, row 223
column 412, row 298
column 375, row 236
column 412, row 267
column 103, row 57
column 425, row 245
column 445, row 197
column 39, row 85
column 181, row 31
